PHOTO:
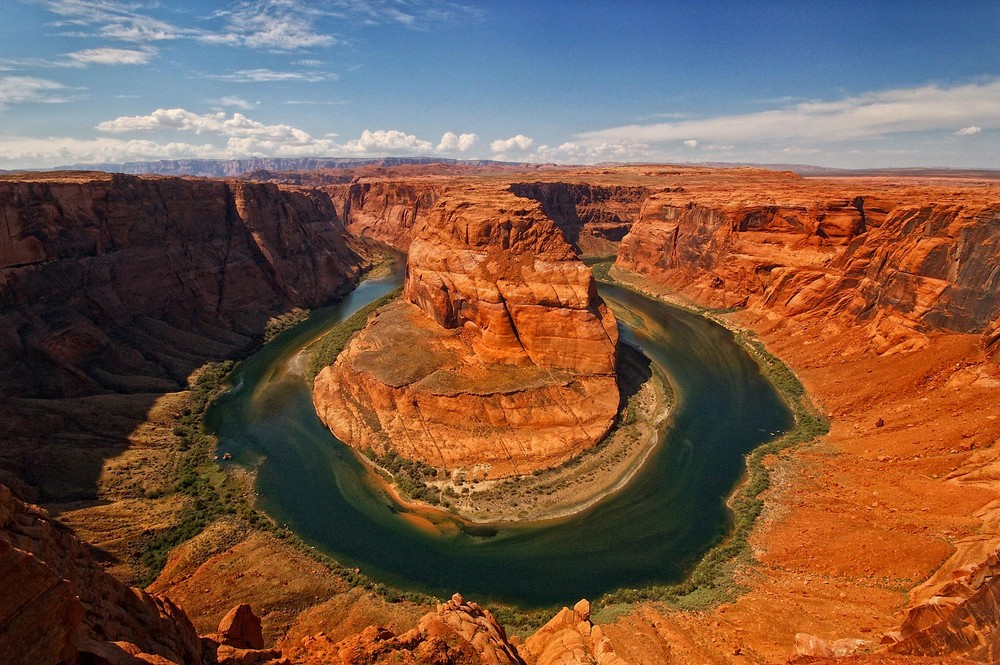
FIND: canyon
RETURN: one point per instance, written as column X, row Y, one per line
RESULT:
column 882, row 293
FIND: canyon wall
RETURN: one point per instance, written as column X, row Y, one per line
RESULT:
column 501, row 355
column 114, row 285
column 592, row 217
column 59, row 602
column 899, row 263
column 386, row 210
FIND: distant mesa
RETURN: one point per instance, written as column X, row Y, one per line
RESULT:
column 499, row 356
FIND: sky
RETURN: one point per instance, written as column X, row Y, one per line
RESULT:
column 839, row 83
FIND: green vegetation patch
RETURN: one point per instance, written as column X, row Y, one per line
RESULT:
column 326, row 350
column 279, row 324
column 211, row 492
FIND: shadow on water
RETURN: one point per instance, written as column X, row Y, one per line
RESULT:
column 653, row 531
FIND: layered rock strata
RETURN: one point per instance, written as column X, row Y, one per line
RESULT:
column 891, row 261
column 593, row 218
column 388, row 211
column 501, row 355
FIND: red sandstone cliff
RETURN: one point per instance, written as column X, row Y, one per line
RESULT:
column 502, row 355
column 901, row 263
column 592, row 217
column 119, row 285
column 387, row 210
column 59, row 605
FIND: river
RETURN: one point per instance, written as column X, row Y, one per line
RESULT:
column 651, row 532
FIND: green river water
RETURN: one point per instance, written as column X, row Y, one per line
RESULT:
column 650, row 532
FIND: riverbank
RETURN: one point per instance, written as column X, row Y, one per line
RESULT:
column 712, row 580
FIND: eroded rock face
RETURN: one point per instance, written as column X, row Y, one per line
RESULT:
column 387, row 210
column 903, row 263
column 570, row 638
column 114, row 288
column 458, row 632
column 58, row 601
column 88, row 261
column 501, row 355
column 960, row 618
column 592, row 217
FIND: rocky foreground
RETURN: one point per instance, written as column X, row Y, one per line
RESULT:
column 500, row 358
column 876, row 544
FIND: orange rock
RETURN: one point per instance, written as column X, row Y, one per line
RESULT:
column 240, row 628
column 501, row 355
column 58, row 601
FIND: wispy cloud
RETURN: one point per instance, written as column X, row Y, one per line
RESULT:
column 279, row 25
column 926, row 108
column 236, row 102
column 272, row 25
column 272, row 76
column 17, row 90
column 969, row 131
column 111, row 56
column 110, row 19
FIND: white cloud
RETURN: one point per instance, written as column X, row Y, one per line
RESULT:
column 691, row 143
column 387, row 141
column 182, row 120
column 272, row 25
column 111, row 56
column 519, row 143
column 62, row 151
column 271, row 76
column 451, row 142
column 279, row 25
column 16, row 90
column 110, row 19
column 237, row 102
column 578, row 153
column 872, row 114
column 969, row 131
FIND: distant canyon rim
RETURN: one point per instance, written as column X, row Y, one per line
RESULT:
column 882, row 292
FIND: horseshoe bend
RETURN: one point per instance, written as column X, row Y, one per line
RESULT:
column 871, row 301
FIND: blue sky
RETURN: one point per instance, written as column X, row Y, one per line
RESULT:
column 833, row 83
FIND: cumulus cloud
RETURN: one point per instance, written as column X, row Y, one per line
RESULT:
column 111, row 56
column 219, row 123
column 872, row 114
column 969, row 131
column 16, row 90
column 451, row 142
column 386, row 141
column 572, row 152
column 691, row 143
column 519, row 143
column 62, row 151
